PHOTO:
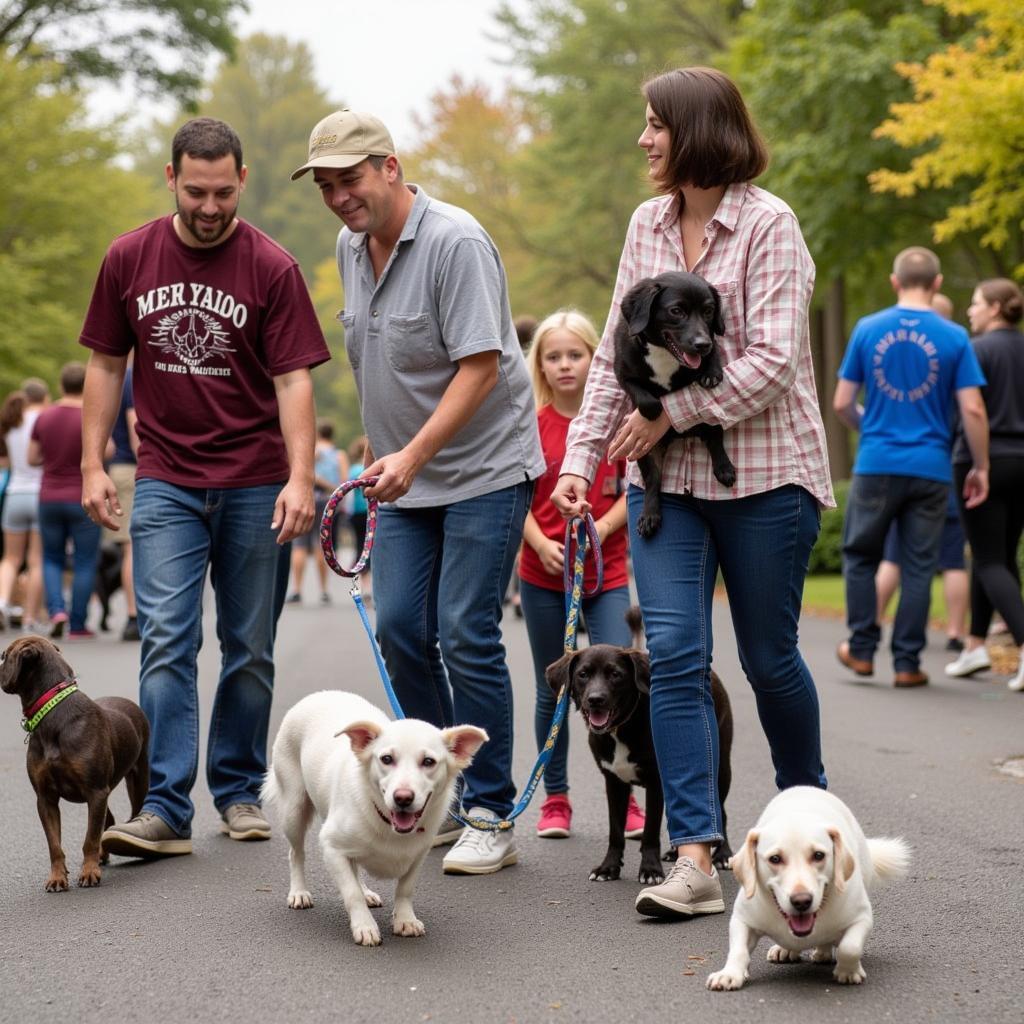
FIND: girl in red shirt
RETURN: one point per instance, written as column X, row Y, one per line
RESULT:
column 558, row 360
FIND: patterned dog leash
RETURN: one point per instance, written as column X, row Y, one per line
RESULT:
column 581, row 533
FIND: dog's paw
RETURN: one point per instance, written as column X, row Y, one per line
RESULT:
column 849, row 975
column 710, row 380
column 725, row 474
column 366, row 934
column 725, row 981
column 648, row 526
column 781, row 955
column 606, row 873
column 409, row 928
column 300, row 899
column 823, row 955
column 57, row 882
column 650, row 875
column 372, row 899
column 90, row 876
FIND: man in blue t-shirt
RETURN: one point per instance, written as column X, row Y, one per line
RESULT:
column 911, row 363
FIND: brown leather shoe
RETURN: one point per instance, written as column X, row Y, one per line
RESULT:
column 855, row 665
column 907, row 679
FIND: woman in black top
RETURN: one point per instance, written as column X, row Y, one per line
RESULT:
column 994, row 528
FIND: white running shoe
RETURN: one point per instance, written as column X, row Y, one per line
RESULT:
column 481, row 853
column 969, row 662
column 1017, row 682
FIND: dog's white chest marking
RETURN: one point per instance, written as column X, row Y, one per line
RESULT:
column 621, row 765
column 662, row 363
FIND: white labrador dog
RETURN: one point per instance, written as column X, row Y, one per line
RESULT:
column 381, row 789
column 805, row 871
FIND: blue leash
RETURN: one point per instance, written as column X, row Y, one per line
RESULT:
column 580, row 531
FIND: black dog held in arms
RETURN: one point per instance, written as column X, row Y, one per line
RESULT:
column 665, row 341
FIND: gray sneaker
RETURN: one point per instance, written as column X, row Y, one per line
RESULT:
column 449, row 831
column 146, row 835
column 478, row 852
column 245, row 821
column 686, row 891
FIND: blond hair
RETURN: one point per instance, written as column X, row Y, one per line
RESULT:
column 571, row 320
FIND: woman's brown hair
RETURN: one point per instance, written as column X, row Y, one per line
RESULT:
column 1007, row 294
column 713, row 138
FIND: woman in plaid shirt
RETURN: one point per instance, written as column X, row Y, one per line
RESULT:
column 703, row 151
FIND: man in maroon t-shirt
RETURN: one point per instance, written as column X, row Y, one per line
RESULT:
column 224, row 336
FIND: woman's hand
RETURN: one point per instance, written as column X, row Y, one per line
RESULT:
column 637, row 436
column 570, row 495
column 552, row 556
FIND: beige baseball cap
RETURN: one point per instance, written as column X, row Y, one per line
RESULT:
column 344, row 139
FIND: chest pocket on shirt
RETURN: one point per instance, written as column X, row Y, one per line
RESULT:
column 348, row 322
column 409, row 343
column 735, row 339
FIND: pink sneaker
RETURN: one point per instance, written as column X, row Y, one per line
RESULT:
column 635, row 819
column 555, row 816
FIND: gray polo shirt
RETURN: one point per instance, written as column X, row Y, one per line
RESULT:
column 442, row 296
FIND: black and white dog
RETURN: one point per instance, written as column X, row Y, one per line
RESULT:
column 665, row 341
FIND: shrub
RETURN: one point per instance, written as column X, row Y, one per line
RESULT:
column 827, row 554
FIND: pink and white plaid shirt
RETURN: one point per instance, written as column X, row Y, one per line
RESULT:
column 754, row 254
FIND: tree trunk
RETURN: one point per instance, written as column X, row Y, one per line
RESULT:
column 829, row 325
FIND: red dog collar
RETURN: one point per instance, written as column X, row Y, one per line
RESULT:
column 49, row 695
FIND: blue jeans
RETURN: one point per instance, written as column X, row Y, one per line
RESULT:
column 59, row 521
column 439, row 576
column 544, row 612
column 919, row 506
column 762, row 544
column 177, row 532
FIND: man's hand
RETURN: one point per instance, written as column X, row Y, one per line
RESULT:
column 99, row 499
column 637, row 436
column 293, row 511
column 570, row 495
column 396, row 471
column 975, row 488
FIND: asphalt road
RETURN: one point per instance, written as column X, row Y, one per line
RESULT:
column 209, row 937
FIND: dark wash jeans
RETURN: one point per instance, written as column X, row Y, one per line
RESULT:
column 762, row 544
column 439, row 577
column 919, row 506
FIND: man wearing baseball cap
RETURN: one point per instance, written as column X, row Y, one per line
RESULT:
column 448, row 409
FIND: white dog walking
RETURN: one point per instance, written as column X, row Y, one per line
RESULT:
column 805, row 872
column 382, row 790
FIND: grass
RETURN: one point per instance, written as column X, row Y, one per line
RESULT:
column 825, row 595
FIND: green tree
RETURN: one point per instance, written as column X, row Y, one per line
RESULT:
column 588, row 59
column 270, row 96
column 159, row 46
column 964, row 125
column 63, row 201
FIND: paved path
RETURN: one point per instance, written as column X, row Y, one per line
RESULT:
column 209, row 938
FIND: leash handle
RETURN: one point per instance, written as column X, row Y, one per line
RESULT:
column 581, row 531
column 327, row 527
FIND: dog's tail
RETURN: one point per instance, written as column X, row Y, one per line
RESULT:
column 890, row 858
column 269, row 792
column 635, row 621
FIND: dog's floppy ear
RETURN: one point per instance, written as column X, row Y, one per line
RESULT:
column 842, row 860
column 18, row 657
column 641, row 669
column 637, row 303
column 559, row 673
column 360, row 735
column 717, row 319
column 744, row 864
column 463, row 741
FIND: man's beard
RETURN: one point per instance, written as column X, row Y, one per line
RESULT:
column 209, row 232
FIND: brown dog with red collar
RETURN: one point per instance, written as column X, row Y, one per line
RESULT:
column 78, row 749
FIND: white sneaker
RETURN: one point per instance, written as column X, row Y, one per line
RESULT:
column 1017, row 682
column 481, row 853
column 969, row 662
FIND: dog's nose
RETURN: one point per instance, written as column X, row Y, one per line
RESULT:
column 801, row 902
column 597, row 701
column 702, row 346
column 403, row 797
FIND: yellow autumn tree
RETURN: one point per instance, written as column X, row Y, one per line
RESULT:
column 967, row 118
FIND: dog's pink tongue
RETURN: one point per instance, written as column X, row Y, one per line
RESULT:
column 801, row 924
column 692, row 360
column 599, row 719
column 403, row 821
